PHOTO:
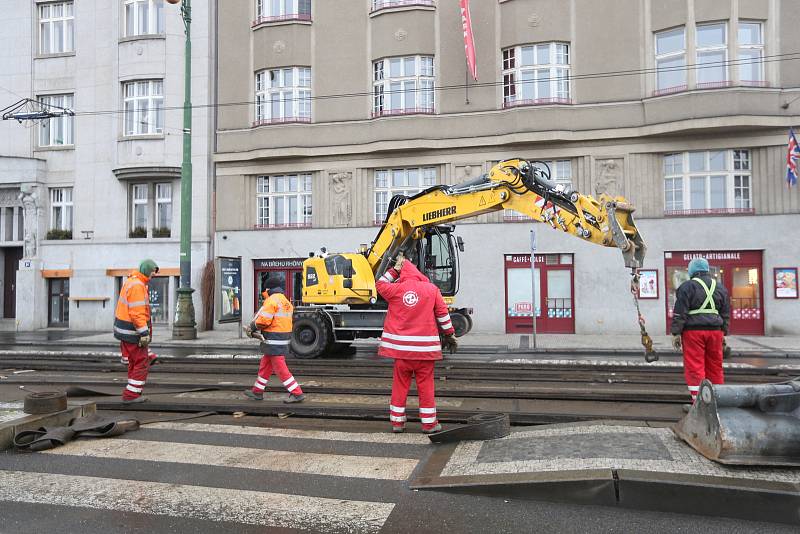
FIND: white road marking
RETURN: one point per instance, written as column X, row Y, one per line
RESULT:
column 618, row 363
column 405, row 439
column 372, row 467
column 210, row 504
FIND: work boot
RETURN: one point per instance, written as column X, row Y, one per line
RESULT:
column 123, row 361
column 437, row 428
column 686, row 408
column 254, row 396
column 137, row 400
column 152, row 359
column 398, row 429
column 292, row 399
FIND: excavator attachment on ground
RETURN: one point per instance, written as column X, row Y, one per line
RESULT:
column 745, row 425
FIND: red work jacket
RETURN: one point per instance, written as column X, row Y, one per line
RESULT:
column 417, row 314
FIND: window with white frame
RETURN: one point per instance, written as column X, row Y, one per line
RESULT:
column 284, row 200
column 536, row 74
column 56, row 131
column 144, row 17
column 151, row 209
column 276, row 10
column 751, row 53
column 405, row 181
column 283, row 95
column 712, row 55
column 386, row 4
column 671, row 60
column 144, row 107
column 56, row 28
column 61, row 208
column 713, row 181
column 560, row 173
column 402, row 85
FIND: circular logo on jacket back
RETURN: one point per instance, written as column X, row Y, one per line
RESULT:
column 410, row 299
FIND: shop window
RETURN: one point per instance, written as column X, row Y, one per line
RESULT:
column 553, row 283
column 289, row 271
column 159, row 299
column 536, row 74
column 58, row 309
column 408, row 181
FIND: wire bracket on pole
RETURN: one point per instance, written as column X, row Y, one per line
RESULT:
column 28, row 109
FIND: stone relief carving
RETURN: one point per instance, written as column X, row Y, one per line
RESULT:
column 534, row 19
column 467, row 172
column 342, row 198
column 30, row 218
column 609, row 177
column 278, row 47
column 400, row 34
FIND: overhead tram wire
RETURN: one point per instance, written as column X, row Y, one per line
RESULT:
column 777, row 58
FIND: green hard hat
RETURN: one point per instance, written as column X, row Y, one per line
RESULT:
column 148, row 267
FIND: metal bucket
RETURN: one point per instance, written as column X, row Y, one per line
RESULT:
column 745, row 425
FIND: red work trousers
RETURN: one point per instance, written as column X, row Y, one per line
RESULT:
column 278, row 364
column 138, row 366
column 702, row 358
column 422, row 372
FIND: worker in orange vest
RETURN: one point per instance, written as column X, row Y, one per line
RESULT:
column 133, row 328
column 273, row 325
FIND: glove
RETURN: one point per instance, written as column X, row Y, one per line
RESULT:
column 676, row 342
column 247, row 331
column 449, row 342
column 398, row 264
column 144, row 341
column 726, row 350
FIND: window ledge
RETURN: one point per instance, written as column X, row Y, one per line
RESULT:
column 53, row 148
column 538, row 102
column 290, row 226
column 402, row 112
column 713, row 212
column 142, row 137
column 150, row 239
column 394, row 6
column 58, row 54
column 143, row 37
column 288, row 120
column 281, row 20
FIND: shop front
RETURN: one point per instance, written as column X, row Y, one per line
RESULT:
column 287, row 270
column 740, row 271
column 554, row 303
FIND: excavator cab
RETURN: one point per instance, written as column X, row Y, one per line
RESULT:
column 436, row 256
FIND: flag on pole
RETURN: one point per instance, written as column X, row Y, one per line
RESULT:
column 793, row 154
column 469, row 41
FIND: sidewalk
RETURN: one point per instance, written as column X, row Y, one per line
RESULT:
column 228, row 339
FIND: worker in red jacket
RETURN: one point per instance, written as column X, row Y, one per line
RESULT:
column 411, row 335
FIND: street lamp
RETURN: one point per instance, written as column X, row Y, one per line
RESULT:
column 184, row 326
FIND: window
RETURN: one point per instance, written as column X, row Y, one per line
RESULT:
column 283, row 95
column 403, row 85
column 151, row 202
column 671, row 61
column 409, row 182
column 751, row 53
column 276, row 10
column 56, row 131
column 377, row 5
column 560, row 173
column 61, row 209
column 712, row 55
column 715, row 181
column 284, row 200
column 144, row 17
column 144, row 107
column 536, row 74
column 56, row 28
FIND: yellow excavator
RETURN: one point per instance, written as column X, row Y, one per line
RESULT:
column 341, row 304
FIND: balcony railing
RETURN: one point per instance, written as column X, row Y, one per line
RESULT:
column 403, row 111
column 378, row 5
column 285, row 226
column 535, row 102
column 670, row 90
column 282, row 120
column 714, row 85
column 305, row 17
column 714, row 211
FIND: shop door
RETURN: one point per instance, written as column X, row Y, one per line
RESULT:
column 555, row 305
column 288, row 271
column 741, row 274
column 58, row 314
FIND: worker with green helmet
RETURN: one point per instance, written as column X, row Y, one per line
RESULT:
column 134, row 329
column 700, row 321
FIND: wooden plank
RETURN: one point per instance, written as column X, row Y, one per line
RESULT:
column 56, row 273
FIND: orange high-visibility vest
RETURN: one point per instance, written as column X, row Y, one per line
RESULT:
column 132, row 316
column 274, row 320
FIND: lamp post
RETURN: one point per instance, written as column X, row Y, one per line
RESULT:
column 184, row 326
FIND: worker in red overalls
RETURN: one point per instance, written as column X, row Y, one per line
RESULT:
column 411, row 335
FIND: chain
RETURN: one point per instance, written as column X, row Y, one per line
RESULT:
column 647, row 342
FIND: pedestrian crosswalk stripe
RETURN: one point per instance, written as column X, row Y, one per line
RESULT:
column 199, row 502
column 260, row 459
column 403, row 439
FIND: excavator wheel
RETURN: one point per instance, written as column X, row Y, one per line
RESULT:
column 461, row 323
column 311, row 335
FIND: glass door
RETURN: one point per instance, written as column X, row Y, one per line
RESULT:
column 58, row 313
column 744, row 286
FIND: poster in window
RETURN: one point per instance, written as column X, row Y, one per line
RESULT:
column 230, row 287
column 648, row 284
column 786, row 282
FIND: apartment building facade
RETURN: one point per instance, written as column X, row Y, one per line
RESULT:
column 681, row 106
column 86, row 197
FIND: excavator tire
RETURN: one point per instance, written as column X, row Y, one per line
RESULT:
column 461, row 323
column 311, row 336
